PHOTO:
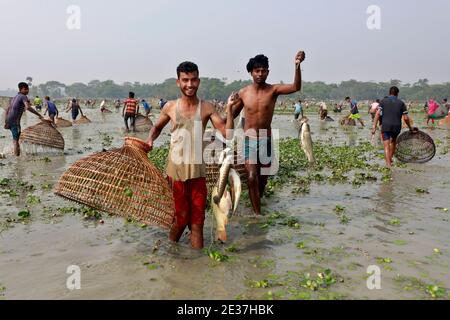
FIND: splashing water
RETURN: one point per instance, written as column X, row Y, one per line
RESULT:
column 34, row 149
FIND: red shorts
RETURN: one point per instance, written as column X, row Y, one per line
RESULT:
column 190, row 201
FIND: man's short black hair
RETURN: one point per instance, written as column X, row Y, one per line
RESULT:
column 347, row 98
column 47, row 98
column 260, row 61
column 131, row 95
column 394, row 91
column 378, row 100
column 23, row 85
column 186, row 67
column 445, row 99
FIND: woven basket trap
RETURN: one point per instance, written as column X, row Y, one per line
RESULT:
column 43, row 134
column 143, row 123
column 82, row 120
column 121, row 182
column 415, row 147
column 63, row 123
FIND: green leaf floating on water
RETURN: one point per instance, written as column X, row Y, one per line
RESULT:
column 216, row 255
column 128, row 192
column 4, row 182
column 421, row 190
column 24, row 214
column 435, row 291
column 33, row 199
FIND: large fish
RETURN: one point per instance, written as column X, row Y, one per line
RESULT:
column 235, row 189
column 227, row 160
column 306, row 141
column 221, row 211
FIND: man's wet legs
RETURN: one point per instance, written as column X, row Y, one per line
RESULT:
column 253, row 187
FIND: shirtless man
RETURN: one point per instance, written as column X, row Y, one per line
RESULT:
column 186, row 169
column 258, row 101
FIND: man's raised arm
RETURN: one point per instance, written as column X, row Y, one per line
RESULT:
column 297, row 85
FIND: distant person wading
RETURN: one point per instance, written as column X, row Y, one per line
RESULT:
column 75, row 109
column 130, row 110
column 51, row 109
column 390, row 114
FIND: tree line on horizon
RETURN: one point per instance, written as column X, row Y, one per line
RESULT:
column 213, row 88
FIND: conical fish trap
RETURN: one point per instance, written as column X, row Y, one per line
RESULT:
column 43, row 134
column 62, row 123
column 82, row 120
column 416, row 147
column 143, row 123
column 121, row 182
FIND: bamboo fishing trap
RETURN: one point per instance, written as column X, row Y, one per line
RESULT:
column 83, row 120
column 121, row 182
column 143, row 123
column 42, row 136
column 417, row 147
column 62, row 123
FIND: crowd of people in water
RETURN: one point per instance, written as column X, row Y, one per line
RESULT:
column 255, row 104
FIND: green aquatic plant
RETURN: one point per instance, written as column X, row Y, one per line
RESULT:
column 216, row 255
column 158, row 156
column 300, row 245
column 435, row 291
column 106, row 140
column 400, row 242
column 258, row 284
column 65, row 210
column 24, row 214
column 231, row 249
column 89, row 213
column 422, row 190
column 384, row 260
column 10, row 192
column 128, row 192
column 31, row 199
column 322, row 281
column 46, row 186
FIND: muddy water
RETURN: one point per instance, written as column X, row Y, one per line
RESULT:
column 122, row 260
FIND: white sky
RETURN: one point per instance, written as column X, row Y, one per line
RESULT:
column 138, row 40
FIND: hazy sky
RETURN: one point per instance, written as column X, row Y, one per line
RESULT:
column 138, row 40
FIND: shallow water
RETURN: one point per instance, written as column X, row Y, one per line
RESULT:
column 117, row 259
